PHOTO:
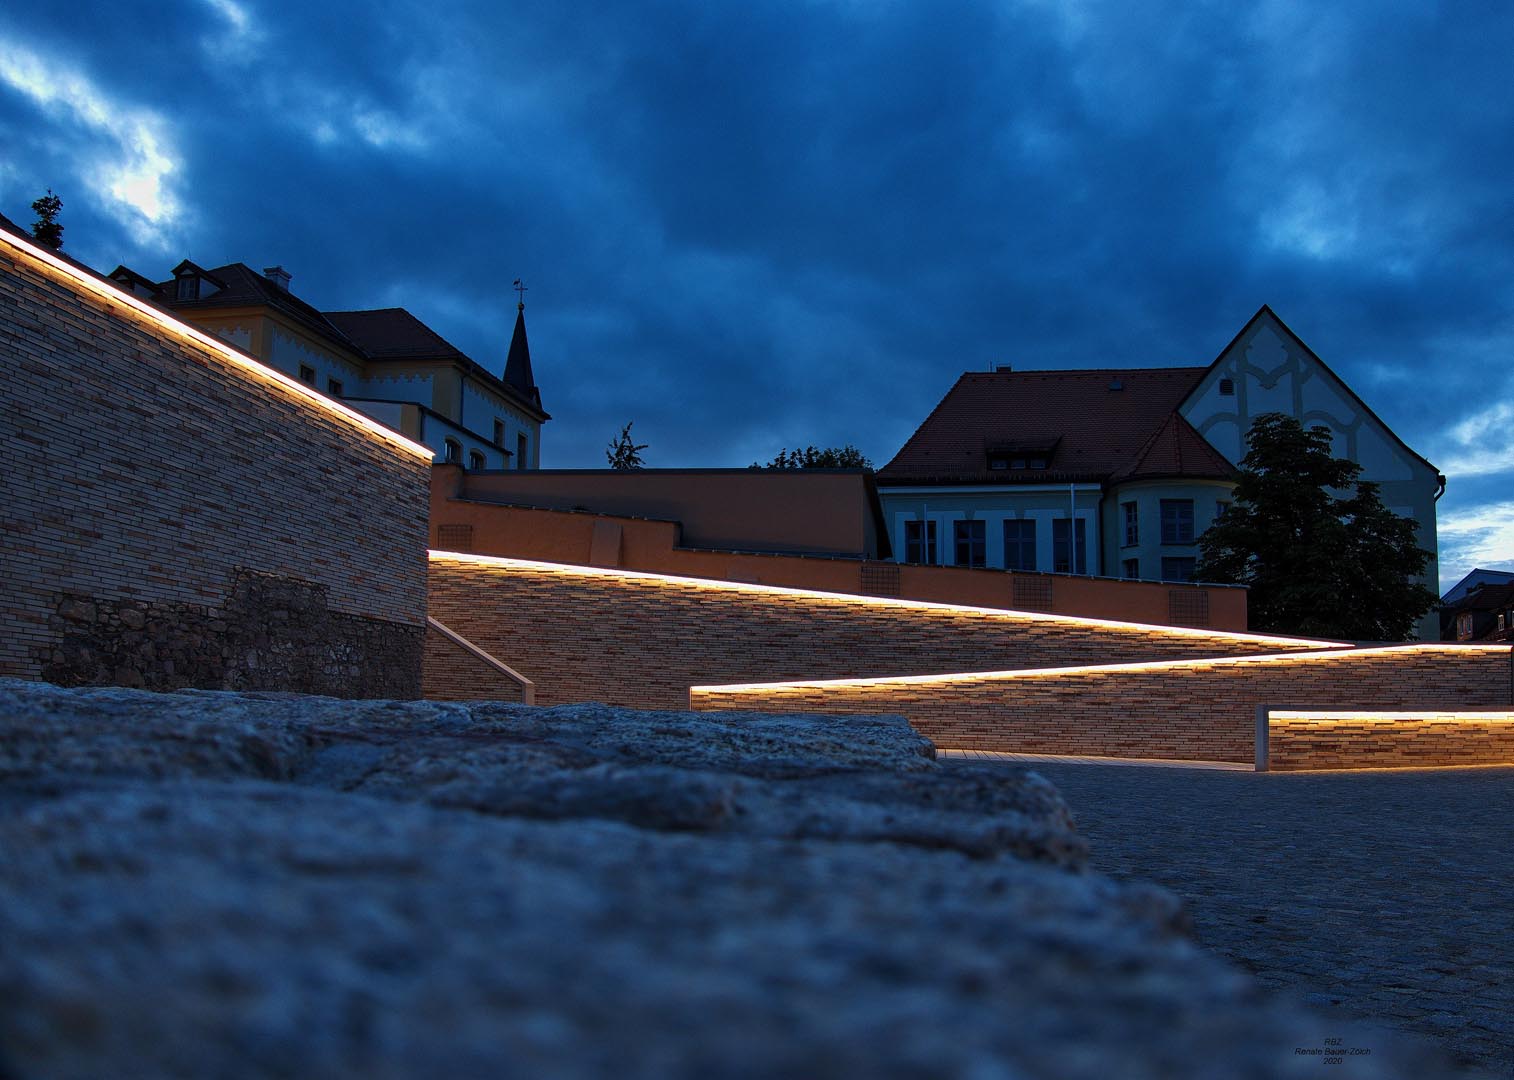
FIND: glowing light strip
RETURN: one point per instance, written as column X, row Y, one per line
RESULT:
column 1087, row 669
column 1492, row 716
column 199, row 337
column 578, row 570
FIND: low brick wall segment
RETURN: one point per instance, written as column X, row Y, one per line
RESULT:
column 1303, row 740
column 641, row 640
column 1203, row 710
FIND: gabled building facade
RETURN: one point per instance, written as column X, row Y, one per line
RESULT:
column 1118, row 472
column 385, row 363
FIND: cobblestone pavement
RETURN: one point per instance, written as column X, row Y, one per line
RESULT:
column 1386, row 896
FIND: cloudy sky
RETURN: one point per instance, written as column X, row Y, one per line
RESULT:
column 757, row 225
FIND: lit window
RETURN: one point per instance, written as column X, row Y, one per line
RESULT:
column 920, row 542
column 476, row 460
column 970, row 543
column 1132, row 569
column 1132, row 523
column 1177, row 521
column 334, row 387
column 1177, row 568
column 1063, row 561
column 1020, row 545
column 520, row 452
column 454, row 452
column 307, row 374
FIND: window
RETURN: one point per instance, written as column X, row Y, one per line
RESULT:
column 334, row 387
column 920, row 542
column 1177, row 568
column 1464, row 626
column 1177, row 521
column 970, row 543
column 476, row 460
column 499, row 433
column 521, row 455
column 1132, row 523
column 1227, row 388
column 1062, row 560
column 454, row 452
column 307, row 374
column 1131, row 569
column 1020, row 545
column 189, row 287
column 1220, row 506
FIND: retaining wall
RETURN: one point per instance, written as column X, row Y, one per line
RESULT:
column 1299, row 740
column 1199, row 710
column 173, row 513
column 641, row 640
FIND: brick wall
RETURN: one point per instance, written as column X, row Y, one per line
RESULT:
column 643, row 640
column 148, row 473
column 1320, row 739
column 1204, row 710
column 454, row 672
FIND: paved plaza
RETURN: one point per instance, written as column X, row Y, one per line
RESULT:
column 1381, row 895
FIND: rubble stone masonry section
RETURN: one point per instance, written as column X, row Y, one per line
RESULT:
column 1320, row 740
column 149, row 477
column 642, row 641
column 1203, row 712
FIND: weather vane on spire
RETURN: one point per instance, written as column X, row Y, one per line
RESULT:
column 520, row 293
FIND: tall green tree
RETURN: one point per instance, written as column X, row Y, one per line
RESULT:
column 832, row 457
column 1319, row 551
column 46, row 229
column 624, row 452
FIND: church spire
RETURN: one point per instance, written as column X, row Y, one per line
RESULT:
column 518, row 363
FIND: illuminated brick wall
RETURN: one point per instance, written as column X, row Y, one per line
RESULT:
column 1202, row 710
column 151, row 475
column 1325, row 739
column 642, row 640
column 453, row 672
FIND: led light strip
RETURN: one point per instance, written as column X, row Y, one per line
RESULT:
column 1493, row 716
column 576, row 570
column 1086, row 669
column 184, row 330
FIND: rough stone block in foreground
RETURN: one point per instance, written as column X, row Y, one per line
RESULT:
column 214, row 884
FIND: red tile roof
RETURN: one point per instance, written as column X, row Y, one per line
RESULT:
column 394, row 334
column 1176, row 450
column 1102, row 420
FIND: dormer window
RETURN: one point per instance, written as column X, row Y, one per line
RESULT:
column 189, row 287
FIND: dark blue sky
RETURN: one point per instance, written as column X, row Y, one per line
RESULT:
column 750, row 226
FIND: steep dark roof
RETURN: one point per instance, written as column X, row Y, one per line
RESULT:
column 395, row 334
column 242, row 286
column 1097, row 429
column 518, row 363
column 1175, row 450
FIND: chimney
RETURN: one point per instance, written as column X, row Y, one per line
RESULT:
column 278, row 275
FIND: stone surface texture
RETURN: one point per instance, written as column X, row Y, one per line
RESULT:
column 217, row 884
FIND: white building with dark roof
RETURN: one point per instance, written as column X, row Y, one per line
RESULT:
column 1118, row 471
column 385, row 363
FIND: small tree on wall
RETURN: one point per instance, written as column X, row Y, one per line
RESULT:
column 1316, row 563
column 46, row 229
column 624, row 453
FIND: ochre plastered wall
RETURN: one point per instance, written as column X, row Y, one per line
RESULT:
column 1203, row 710
column 149, row 471
column 659, row 547
column 642, row 640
